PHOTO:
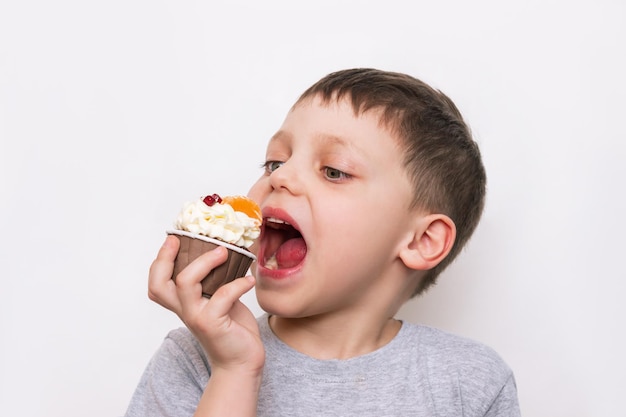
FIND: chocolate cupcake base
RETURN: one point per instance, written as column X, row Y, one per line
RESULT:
column 192, row 246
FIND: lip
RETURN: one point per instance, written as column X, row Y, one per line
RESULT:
column 275, row 274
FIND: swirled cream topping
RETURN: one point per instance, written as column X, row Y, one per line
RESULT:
column 218, row 221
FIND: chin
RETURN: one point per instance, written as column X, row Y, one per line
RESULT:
column 279, row 305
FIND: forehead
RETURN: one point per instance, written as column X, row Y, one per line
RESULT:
column 343, row 105
column 331, row 133
column 389, row 116
column 335, row 122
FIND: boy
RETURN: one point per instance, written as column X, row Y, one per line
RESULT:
column 371, row 187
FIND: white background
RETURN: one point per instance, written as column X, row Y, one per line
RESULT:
column 112, row 113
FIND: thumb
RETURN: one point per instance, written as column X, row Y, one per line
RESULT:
column 227, row 295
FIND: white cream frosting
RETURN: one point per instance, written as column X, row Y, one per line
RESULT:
column 218, row 221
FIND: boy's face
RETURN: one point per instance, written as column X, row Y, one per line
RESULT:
column 335, row 199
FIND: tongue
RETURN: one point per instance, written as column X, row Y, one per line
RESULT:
column 291, row 253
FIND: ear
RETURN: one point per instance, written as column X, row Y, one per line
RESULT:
column 431, row 241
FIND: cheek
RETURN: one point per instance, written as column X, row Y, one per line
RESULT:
column 345, row 223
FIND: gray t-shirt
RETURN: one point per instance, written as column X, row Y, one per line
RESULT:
column 422, row 372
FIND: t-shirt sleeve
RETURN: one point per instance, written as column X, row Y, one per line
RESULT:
column 487, row 384
column 173, row 381
column 468, row 378
column 506, row 403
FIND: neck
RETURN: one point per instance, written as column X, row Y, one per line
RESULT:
column 331, row 337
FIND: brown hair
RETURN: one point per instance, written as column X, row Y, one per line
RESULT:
column 441, row 158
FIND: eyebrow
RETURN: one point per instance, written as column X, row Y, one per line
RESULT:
column 285, row 137
column 280, row 136
column 332, row 140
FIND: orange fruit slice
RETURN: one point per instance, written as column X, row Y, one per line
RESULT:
column 245, row 205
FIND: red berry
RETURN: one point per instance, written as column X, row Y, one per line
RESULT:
column 209, row 200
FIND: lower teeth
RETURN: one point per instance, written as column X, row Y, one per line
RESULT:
column 271, row 263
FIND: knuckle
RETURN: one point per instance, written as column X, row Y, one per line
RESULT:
column 184, row 278
column 227, row 291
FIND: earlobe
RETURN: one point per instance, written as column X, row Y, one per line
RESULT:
column 432, row 240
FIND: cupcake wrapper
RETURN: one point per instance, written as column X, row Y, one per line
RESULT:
column 236, row 265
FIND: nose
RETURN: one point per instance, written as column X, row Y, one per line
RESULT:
column 287, row 177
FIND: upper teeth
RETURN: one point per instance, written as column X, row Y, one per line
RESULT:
column 274, row 220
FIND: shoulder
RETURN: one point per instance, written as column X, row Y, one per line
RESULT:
column 462, row 368
column 453, row 352
column 179, row 362
column 182, row 339
column 181, row 350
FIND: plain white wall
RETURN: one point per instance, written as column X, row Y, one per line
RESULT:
column 112, row 113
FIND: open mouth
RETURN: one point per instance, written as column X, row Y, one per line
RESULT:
column 284, row 246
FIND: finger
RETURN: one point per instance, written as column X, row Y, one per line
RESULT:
column 161, row 287
column 188, row 281
column 227, row 296
column 217, row 314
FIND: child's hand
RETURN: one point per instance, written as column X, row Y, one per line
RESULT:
column 225, row 327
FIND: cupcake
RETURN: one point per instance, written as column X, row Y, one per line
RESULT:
column 233, row 222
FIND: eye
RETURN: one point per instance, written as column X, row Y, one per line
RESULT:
column 271, row 166
column 334, row 174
